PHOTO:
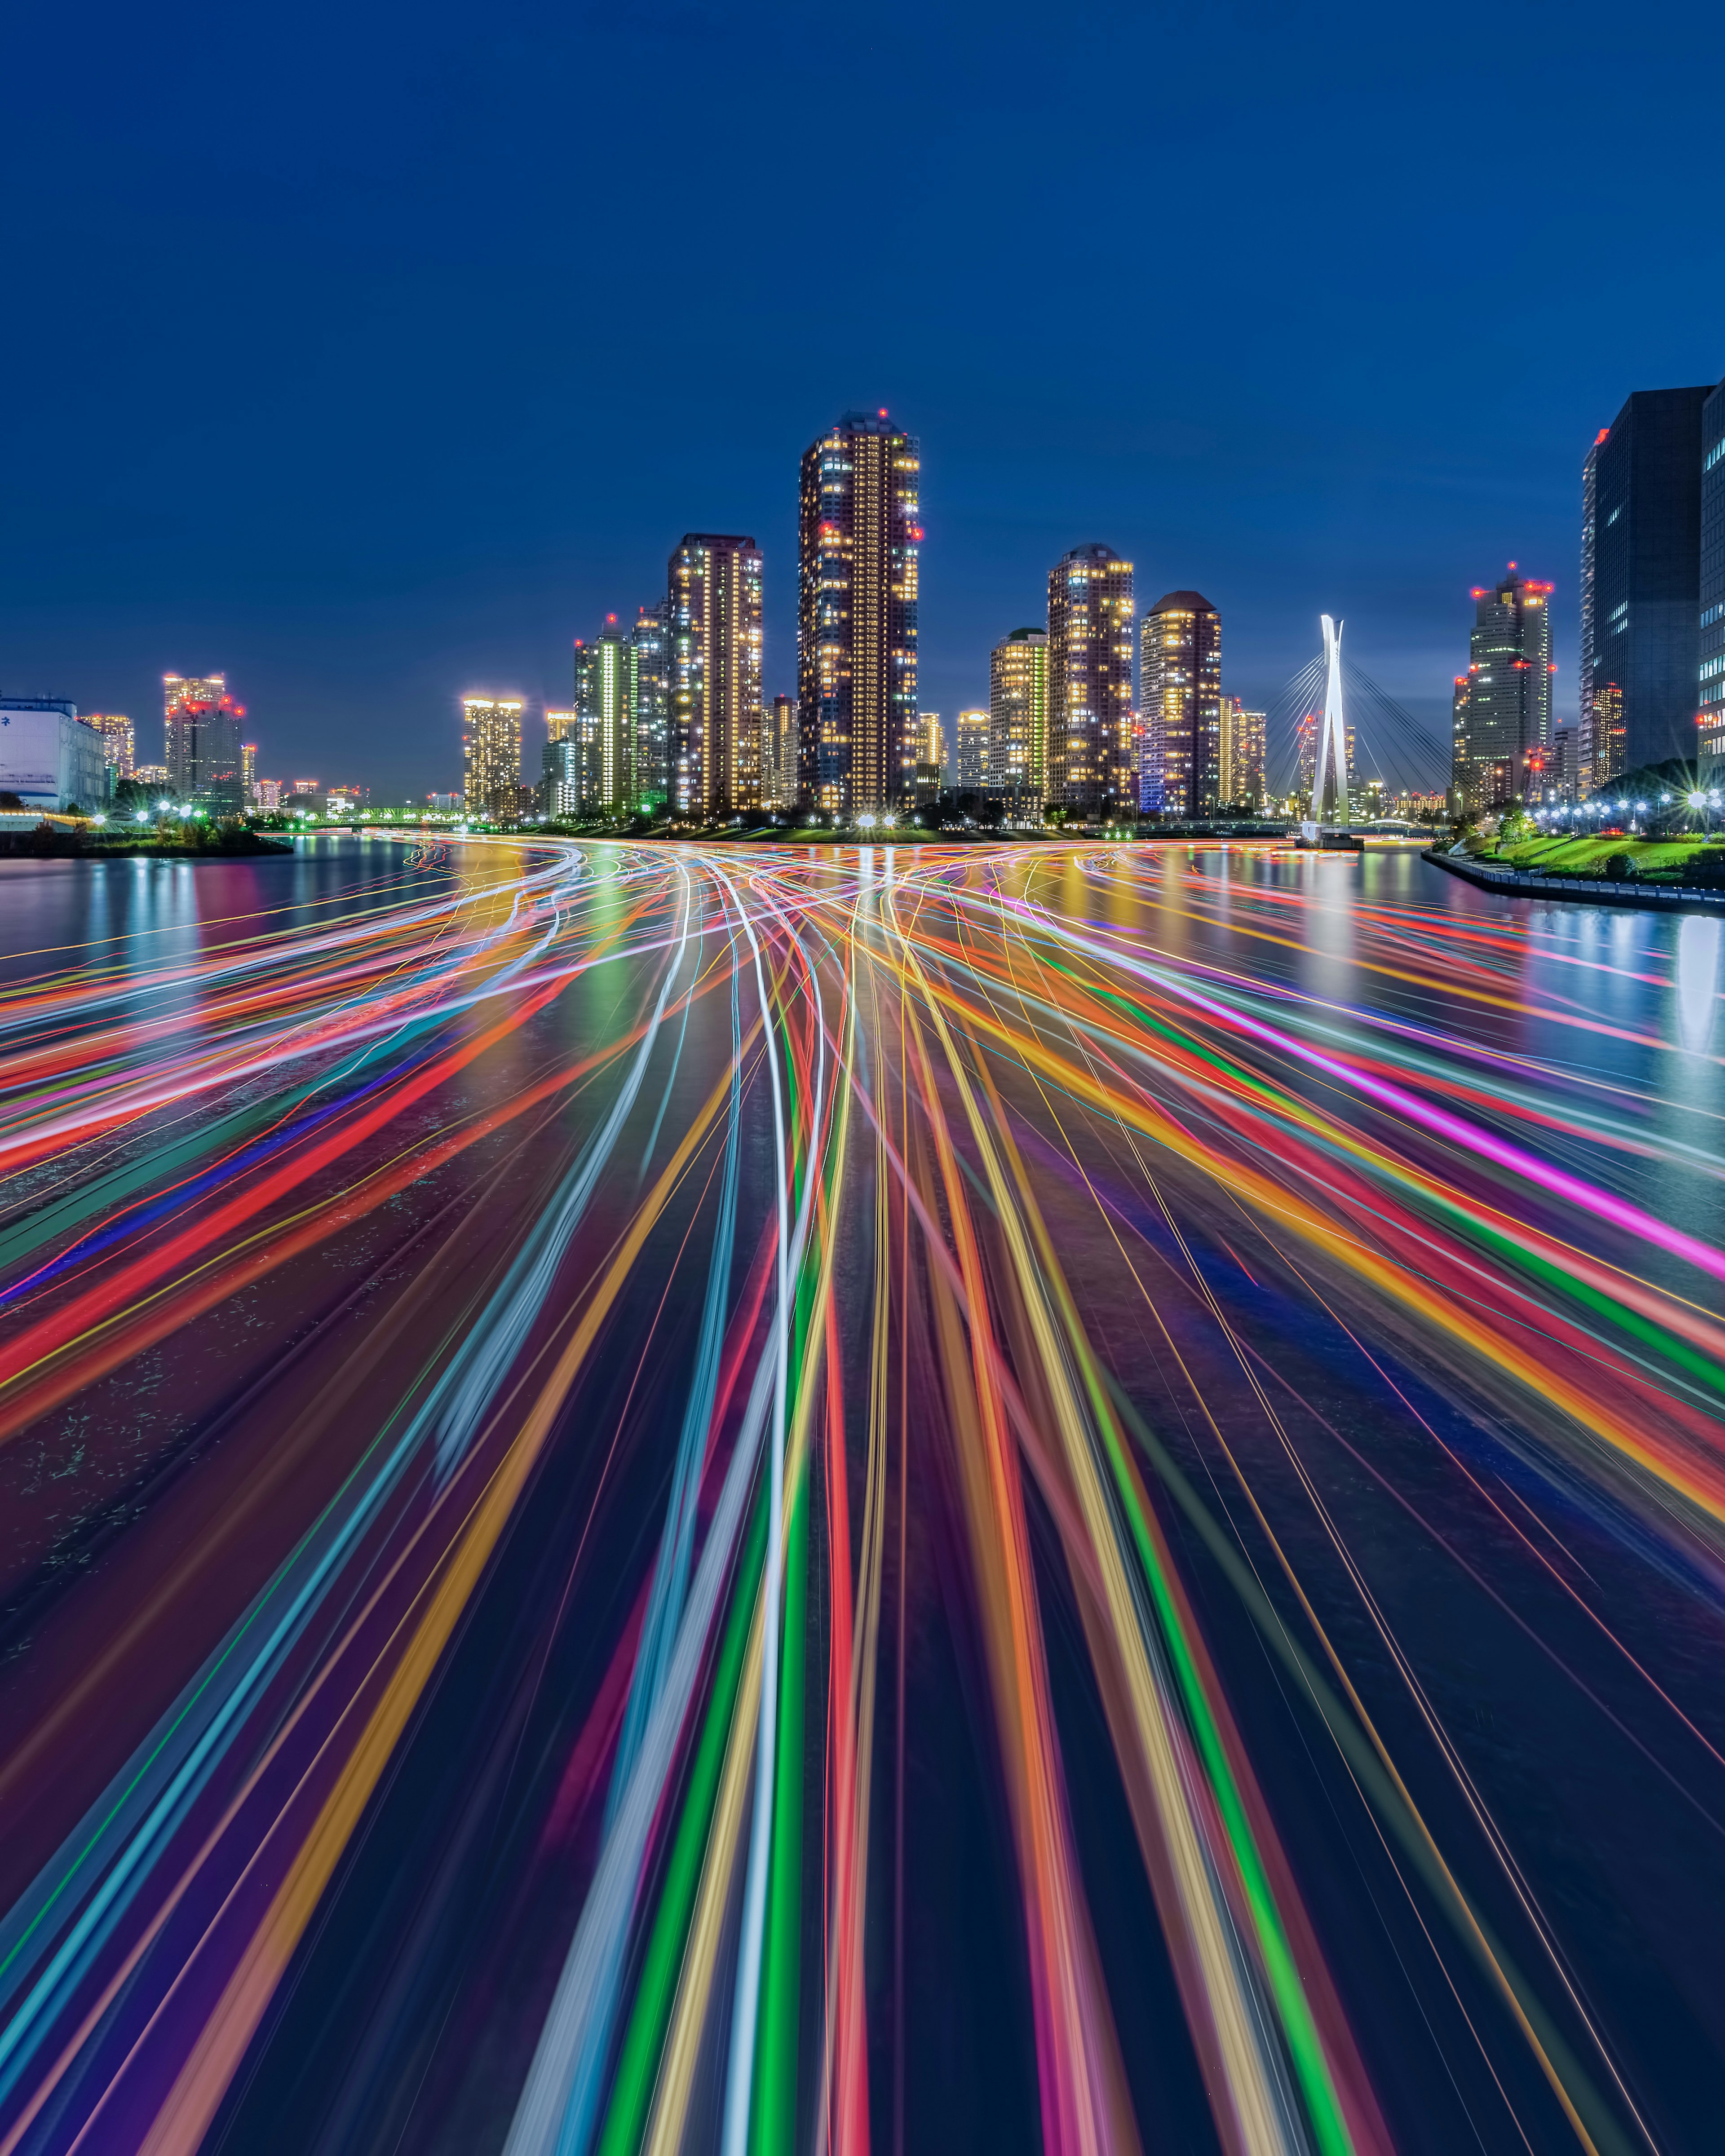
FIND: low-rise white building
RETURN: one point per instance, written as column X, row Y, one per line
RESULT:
column 48, row 756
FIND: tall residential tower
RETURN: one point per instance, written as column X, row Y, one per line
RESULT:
column 713, row 651
column 1090, row 682
column 859, row 536
column 1018, row 720
column 202, row 725
column 1180, row 697
column 1502, row 709
column 605, row 728
column 491, row 755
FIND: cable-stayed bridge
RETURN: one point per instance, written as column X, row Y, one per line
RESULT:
column 1334, row 740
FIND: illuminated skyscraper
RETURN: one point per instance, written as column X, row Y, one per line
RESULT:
column 1017, row 720
column 118, row 745
column 491, row 756
column 1180, row 697
column 603, row 729
column 1646, row 569
column 858, row 541
column 970, row 752
column 931, row 740
column 1710, row 675
column 1241, row 779
column 249, row 772
column 202, row 722
column 1090, row 682
column 649, row 705
column 713, row 621
column 1502, row 725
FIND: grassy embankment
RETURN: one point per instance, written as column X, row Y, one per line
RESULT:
column 1665, row 860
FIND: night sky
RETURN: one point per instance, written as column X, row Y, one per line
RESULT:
column 375, row 352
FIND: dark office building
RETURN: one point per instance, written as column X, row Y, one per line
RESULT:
column 1090, row 683
column 1589, row 751
column 1645, row 575
column 859, row 536
column 1710, row 704
column 1180, row 704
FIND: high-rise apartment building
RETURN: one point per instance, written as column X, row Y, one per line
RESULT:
column 202, row 722
column 603, row 729
column 931, row 740
column 650, row 705
column 1710, row 670
column 249, row 772
column 1017, row 720
column 858, row 539
column 491, row 756
column 1241, row 781
column 1646, row 568
column 970, row 752
column 559, row 765
column 713, row 614
column 1501, row 725
column 1090, row 682
column 119, row 747
column 1180, row 699
column 779, row 756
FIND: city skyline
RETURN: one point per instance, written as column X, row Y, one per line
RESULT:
column 648, row 661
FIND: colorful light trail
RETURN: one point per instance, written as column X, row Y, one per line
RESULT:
column 814, row 1500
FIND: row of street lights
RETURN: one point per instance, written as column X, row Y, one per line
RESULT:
column 1700, row 801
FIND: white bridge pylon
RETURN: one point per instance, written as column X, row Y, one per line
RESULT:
column 1332, row 741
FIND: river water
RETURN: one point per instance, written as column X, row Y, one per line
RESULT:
column 1235, row 1562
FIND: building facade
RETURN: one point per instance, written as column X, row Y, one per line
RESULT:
column 491, row 758
column 859, row 542
column 201, row 723
column 1180, row 700
column 1709, row 645
column 778, row 754
column 713, row 617
column 560, row 775
column 1090, row 683
column 603, row 729
column 1584, row 671
column 49, row 757
column 932, row 741
column 119, row 745
column 1501, row 711
column 970, row 752
column 1018, row 720
column 1645, row 568
column 649, row 705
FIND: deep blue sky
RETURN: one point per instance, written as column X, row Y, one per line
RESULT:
column 374, row 352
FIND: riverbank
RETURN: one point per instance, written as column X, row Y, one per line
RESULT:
column 1577, row 890
column 56, row 843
